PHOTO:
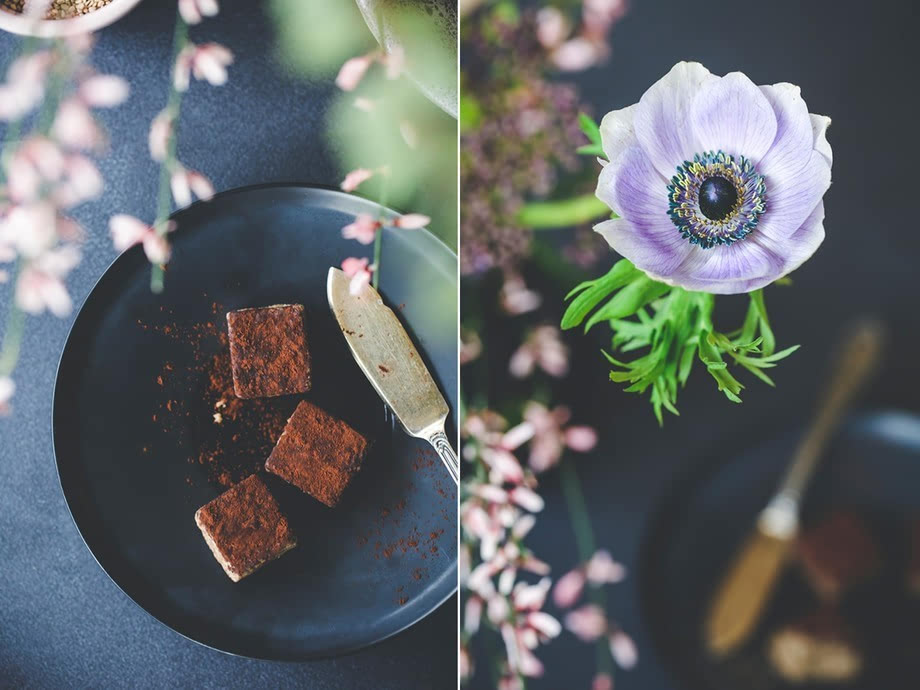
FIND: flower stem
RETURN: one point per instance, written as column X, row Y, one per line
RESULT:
column 13, row 333
column 164, row 195
column 378, row 236
column 584, row 541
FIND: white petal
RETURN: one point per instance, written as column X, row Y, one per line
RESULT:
column 793, row 145
column 819, row 125
column 661, row 119
column 617, row 132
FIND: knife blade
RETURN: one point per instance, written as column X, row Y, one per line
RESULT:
column 389, row 360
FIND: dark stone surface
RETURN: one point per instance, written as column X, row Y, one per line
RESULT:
column 854, row 62
column 63, row 623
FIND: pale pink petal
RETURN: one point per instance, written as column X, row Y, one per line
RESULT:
column 127, row 231
column 179, row 184
column 353, row 71
column 523, row 525
column 352, row 266
column 491, row 493
column 588, row 622
column 23, row 179
column 575, row 55
column 358, row 282
column 189, row 11
column 602, row 681
column 623, row 650
column 30, row 228
column 504, row 464
column 506, row 581
column 526, row 498
column 156, row 247
column 531, row 597
column 411, row 221
column 497, row 609
column 544, row 624
column 160, row 131
column 58, row 262
column 209, row 8
column 518, row 435
column 580, row 438
column 37, row 291
column 601, row 569
column 516, row 298
column 472, row 614
column 210, row 62
column 74, row 126
column 363, row 229
column 82, row 182
column 522, row 362
column 568, row 588
column 104, row 91
column 530, row 665
column 552, row 27
column 466, row 663
column 355, row 178
column 7, row 389
column 545, row 451
column 200, row 185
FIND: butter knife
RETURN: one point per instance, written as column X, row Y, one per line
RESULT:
column 386, row 355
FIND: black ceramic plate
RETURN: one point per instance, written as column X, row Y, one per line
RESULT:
column 134, row 431
column 872, row 468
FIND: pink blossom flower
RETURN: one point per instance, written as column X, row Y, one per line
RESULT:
column 36, row 161
column 359, row 272
column 543, row 348
column 193, row 11
column 569, row 587
column 510, row 682
column 576, row 54
column 552, row 27
column 601, row 569
column 30, row 229
column 602, row 681
column 40, row 286
column 127, row 231
column 184, row 183
column 411, row 221
column 25, row 85
column 7, row 390
column 103, row 91
column 353, row 71
column 355, row 178
column 75, row 127
column 161, row 130
column 623, row 649
column 208, row 62
column 81, row 182
column 466, row 663
column 587, row 623
column 551, row 436
column 363, row 229
column 516, row 298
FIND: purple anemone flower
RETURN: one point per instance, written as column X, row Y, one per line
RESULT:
column 718, row 183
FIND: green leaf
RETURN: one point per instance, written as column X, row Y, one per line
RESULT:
column 635, row 295
column 541, row 215
column 590, row 129
column 593, row 291
column 590, row 150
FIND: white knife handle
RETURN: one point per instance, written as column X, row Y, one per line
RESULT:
column 442, row 444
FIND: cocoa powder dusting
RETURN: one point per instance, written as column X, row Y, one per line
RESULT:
column 229, row 438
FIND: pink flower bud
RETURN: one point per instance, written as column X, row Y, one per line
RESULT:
column 353, row 71
column 103, row 91
column 411, row 221
column 355, row 178
column 588, row 622
column 623, row 650
column 568, row 588
column 363, row 229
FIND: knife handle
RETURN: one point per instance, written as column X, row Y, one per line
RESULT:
column 442, row 445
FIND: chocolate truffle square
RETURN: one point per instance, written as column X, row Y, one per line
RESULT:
column 268, row 351
column 838, row 553
column 318, row 453
column 245, row 528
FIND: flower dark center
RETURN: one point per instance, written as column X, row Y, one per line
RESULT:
column 716, row 199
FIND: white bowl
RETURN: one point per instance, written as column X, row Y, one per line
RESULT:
column 52, row 28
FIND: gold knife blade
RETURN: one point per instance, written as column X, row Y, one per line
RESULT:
column 387, row 356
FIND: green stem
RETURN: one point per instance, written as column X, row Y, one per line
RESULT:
column 542, row 215
column 584, row 541
column 13, row 333
column 378, row 236
column 164, row 194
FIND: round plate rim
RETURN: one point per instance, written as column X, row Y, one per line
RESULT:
column 310, row 656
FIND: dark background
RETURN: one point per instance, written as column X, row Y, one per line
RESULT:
column 63, row 623
column 856, row 62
